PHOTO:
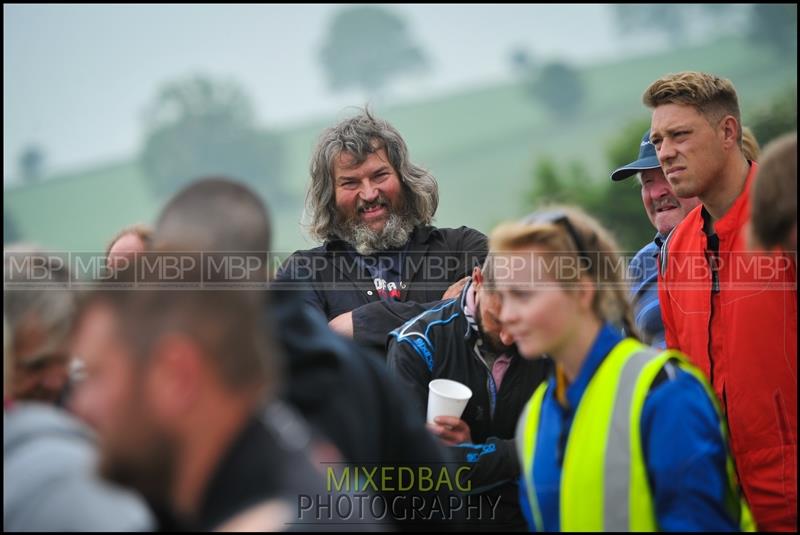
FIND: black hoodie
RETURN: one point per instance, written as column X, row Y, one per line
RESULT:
column 345, row 392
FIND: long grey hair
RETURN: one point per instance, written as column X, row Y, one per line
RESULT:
column 361, row 136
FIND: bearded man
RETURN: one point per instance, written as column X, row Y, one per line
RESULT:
column 380, row 260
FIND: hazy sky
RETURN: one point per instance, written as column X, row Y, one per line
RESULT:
column 77, row 78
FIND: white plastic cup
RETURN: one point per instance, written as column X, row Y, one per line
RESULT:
column 447, row 398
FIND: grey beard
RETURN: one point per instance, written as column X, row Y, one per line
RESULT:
column 395, row 233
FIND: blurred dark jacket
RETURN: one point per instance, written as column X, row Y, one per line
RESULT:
column 345, row 392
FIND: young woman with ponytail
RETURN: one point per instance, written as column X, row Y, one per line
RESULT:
column 624, row 437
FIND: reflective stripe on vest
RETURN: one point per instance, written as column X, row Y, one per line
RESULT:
column 604, row 477
column 527, row 428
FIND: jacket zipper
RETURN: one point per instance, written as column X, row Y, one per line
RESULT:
column 713, row 260
column 492, row 399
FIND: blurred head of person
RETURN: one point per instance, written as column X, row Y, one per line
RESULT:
column 128, row 243
column 218, row 216
column 227, row 223
column 39, row 309
column 773, row 208
column 7, row 368
column 560, row 278
column 696, row 129
column 173, row 369
column 166, row 370
column 364, row 188
column 664, row 209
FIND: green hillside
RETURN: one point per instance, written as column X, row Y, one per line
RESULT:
column 481, row 144
column 80, row 211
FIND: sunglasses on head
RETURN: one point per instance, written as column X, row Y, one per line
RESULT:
column 558, row 217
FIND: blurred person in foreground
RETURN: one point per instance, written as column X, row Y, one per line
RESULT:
column 127, row 244
column 622, row 437
column 734, row 314
column 39, row 307
column 182, row 377
column 49, row 457
column 773, row 219
column 338, row 386
column 380, row 258
column 177, row 387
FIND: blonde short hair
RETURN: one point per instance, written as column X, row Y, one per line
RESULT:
column 712, row 96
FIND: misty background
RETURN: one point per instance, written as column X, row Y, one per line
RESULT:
column 110, row 109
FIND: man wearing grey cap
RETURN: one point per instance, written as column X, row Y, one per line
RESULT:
column 665, row 210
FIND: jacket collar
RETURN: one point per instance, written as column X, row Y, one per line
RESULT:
column 607, row 338
column 415, row 256
column 736, row 215
column 467, row 299
column 740, row 210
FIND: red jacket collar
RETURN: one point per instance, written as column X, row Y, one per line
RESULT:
column 739, row 212
column 733, row 219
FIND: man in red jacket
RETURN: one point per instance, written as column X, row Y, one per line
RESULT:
column 733, row 313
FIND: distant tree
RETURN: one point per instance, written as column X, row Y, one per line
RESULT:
column 624, row 146
column 776, row 26
column 618, row 205
column 367, row 47
column 660, row 18
column 570, row 184
column 776, row 117
column 522, row 61
column 677, row 21
column 10, row 232
column 200, row 126
column 31, row 163
column 549, row 185
column 559, row 88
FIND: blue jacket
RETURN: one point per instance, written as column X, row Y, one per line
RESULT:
column 643, row 276
column 683, row 447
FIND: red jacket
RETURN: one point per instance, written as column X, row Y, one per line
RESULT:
column 744, row 337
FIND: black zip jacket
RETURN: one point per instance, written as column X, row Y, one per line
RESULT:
column 332, row 282
column 346, row 393
column 442, row 343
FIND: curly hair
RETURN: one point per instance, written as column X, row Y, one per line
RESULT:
column 360, row 136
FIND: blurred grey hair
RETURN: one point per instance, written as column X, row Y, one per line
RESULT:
column 361, row 136
column 51, row 306
column 7, row 368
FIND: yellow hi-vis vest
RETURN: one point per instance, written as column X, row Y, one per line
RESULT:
column 604, row 483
